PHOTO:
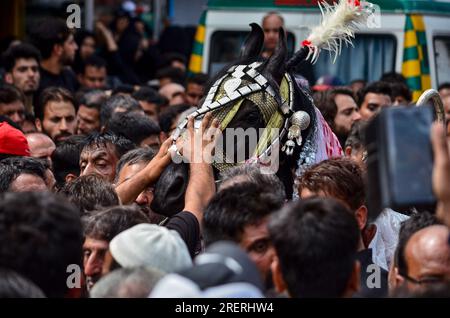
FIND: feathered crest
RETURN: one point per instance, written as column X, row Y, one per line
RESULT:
column 339, row 23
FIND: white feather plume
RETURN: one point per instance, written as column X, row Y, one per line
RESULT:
column 338, row 26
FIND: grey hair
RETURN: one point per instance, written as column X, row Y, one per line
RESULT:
column 108, row 108
column 139, row 155
column 251, row 173
column 127, row 283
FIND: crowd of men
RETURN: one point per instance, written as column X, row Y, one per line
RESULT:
column 85, row 130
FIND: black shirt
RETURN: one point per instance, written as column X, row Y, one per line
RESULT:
column 186, row 224
column 66, row 79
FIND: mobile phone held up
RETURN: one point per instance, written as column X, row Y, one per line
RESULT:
column 400, row 160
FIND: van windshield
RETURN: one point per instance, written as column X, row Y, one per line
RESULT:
column 371, row 56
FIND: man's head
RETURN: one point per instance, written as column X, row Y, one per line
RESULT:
column 195, row 89
column 66, row 160
column 118, row 104
column 101, row 152
column 315, row 241
column 86, row 42
column 339, row 178
column 13, row 142
column 88, row 115
column 240, row 213
column 444, row 89
column 21, row 64
column 90, row 193
column 271, row 23
column 41, row 146
column 56, row 113
column 150, row 101
column 355, row 145
column 170, row 74
column 12, row 103
column 22, row 174
column 399, row 266
column 141, row 130
column 401, row 94
column 54, row 40
column 174, row 92
column 99, row 229
column 427, row 255
column 130, row 164
column 339, row 109
column 372, row 98
column 40, row 235
column 94, row 74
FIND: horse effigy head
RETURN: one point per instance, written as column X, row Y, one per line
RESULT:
column 263, row 97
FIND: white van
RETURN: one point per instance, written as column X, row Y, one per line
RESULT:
column 225, row 24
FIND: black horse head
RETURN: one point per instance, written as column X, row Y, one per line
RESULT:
column 255, row 110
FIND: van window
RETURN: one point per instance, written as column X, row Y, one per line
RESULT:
column 442, row 60
column 226, row 45
column 371, row 56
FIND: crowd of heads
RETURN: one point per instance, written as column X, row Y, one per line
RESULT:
column 84, row 123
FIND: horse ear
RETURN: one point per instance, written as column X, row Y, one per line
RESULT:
column 254, row 43
column 276, row 64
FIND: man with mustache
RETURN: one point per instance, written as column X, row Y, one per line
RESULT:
column 21, row 64
column 56, row 114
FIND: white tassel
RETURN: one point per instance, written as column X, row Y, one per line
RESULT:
column 339, row 23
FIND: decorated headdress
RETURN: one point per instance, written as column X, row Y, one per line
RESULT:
column 271, row 85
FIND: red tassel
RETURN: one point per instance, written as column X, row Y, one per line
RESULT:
column 306, row 43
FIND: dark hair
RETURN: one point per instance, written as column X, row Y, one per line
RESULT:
column 46, row 34
column 167, row 117
column 149, row 95
column 40, row 235
column 401, row 89
column 121, row 144
column 95, row 61
column 234, row 208
column 90, row 193
column 10, row 94
column 393, row 77
column 91, row 98
column 174, row 73
column 132, row 157
column 105, row 225
column 168, row 58
column 250, row 173
column 444, row 86
column 14, row 285
column 8, row 174
column 327, row 105
column 66, row 158
column 53, row 94
column 408, row 227
column 340, row 178
column 133, row 126
column 316, row 241
column 356, row 137
column 109, row 107
column 20, row 51
column 199, row 79
column 124, row 89
column 381, row 88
